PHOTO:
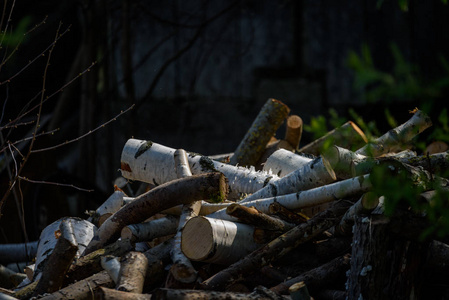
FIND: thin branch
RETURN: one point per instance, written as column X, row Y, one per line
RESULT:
column 7, row 21
column 84, row 135
column 54, row 183
column 51, row 132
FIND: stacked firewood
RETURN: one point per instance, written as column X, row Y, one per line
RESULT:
column 269, row 221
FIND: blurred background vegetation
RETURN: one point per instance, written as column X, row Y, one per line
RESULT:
column 198, row 72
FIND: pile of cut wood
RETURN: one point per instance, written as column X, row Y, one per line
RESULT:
column 269, row 221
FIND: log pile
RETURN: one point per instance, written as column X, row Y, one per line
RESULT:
column 270, row 221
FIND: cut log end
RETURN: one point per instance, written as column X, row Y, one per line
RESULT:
column 197, row 239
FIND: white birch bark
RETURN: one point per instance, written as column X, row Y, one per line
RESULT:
column 323, row 194
column 110, row 206
column 81, row 230
column 317, row 172
column 111, row 264
column 147, row 231
column 283, row 162
column 217, row 241
column 153, row 163
column 396, row 138
column 182, row 269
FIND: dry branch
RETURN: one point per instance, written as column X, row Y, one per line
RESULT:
column 278, row 247
column 181, row 191
column 348, row 135
column 252, row 146
column 395, row 139
column 317, row 279
column 252, row 216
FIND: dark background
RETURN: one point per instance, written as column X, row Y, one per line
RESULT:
column 198, row 72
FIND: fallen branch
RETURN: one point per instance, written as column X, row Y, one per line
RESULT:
column 395, row 139
column 348, row 135
column 181, row 191
column 278, row 247
column 252, row 146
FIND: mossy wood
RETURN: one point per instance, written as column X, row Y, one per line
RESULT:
column 267, row 122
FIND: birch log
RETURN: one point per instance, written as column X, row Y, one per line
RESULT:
column 317, row 172
column 348, row 135
column 153, row 163
column 293, row 131
column 60, row 260
column 252, row 146
column 82, row 230
column 132, row 272
column 278, row 247
column 338, row 190
column 147, row 231
column 110, row 206
column 252, row 216
column 217, row 241
column 182, row 269
column 181, row 191
column 283, row 162
column 396, row 138
column 111, row 264
column 13, row 253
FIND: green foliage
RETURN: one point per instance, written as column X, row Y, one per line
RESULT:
column 403, row 83
column 16, row 36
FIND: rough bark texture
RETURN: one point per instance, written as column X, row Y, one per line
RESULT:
column 317, row 279
column 382, row 266
column 179, row 294
column 252, row 216
column 278, row 247
column 83, row 289
column 103, row 293
column 90, row 264
column 132, row 272
column 252, row 146
column 186, row 190
column 348, row 135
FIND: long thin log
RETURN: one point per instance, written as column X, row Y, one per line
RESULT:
column 348, row 135
column 252, row 216
column 181, row 191
column 182, row 269
column 12, row 253
column 338, row 190
column 83, row 289
column 283, row 162
column 147, row 231
column 179, row 294
column 206, row 208
column 252, row 146
column 103, row 293
column 217, row 241
column 319, row 277
column 278, row 247
column 316, row 173
column 10, row 279
column 396, row 138
column 153, row 163
column 90, row 264
column 132, row 272
column 59, row 261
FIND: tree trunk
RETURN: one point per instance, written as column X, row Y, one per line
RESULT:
column 278, row 247
column 181, row 191
column 252, row 146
